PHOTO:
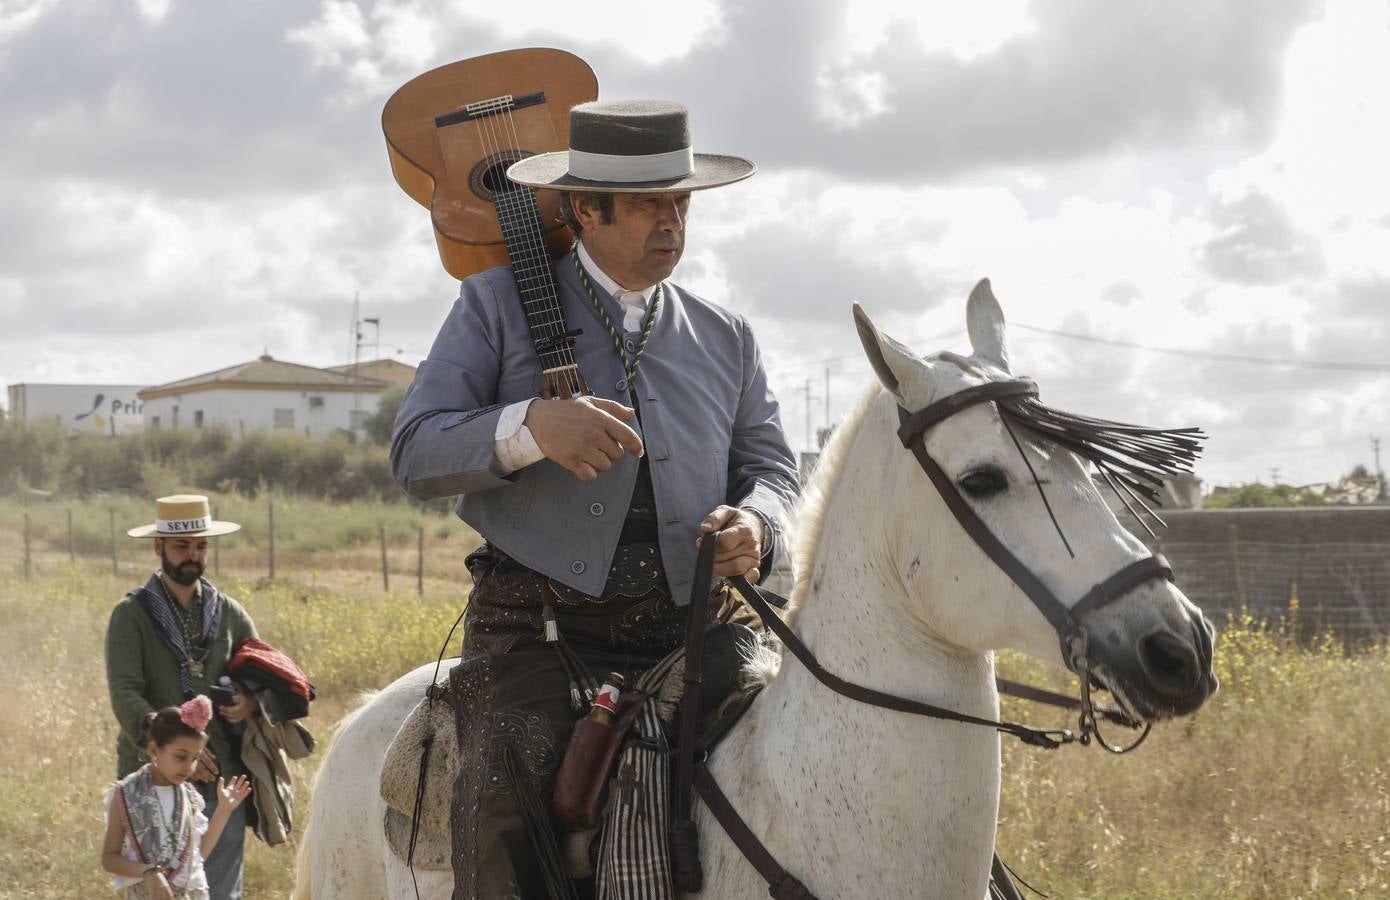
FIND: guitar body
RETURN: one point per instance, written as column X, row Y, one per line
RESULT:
column 453, row 163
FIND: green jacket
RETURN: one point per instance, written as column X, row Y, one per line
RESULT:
column 143, row 676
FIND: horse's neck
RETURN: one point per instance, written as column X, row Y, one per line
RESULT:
column 854, row 797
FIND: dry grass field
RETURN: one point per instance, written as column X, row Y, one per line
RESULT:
column 1280, row 788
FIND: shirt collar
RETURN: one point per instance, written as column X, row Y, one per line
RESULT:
column 609, row 286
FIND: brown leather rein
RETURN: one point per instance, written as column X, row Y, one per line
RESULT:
column 693, row 773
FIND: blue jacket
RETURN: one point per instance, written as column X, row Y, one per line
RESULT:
column 709, row 422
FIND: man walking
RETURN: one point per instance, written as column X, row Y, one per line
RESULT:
column 170, row 640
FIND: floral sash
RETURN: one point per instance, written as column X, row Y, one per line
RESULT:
column 146, row 825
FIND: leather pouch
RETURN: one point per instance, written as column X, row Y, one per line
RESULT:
column 587, row 764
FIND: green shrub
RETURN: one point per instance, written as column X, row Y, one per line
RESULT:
column 31, row 456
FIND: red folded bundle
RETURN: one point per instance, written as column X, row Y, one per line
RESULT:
column 256, row 652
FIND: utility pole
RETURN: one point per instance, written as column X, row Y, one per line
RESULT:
column 1380, row 475
column 355, row 333
column 357, row 342
column 806, row 388
column 827, row 397
column 1274, row 476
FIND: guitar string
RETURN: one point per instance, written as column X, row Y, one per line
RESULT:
column 508, row 218
column 542, row 255
column 514, row 200
column 523, row 213
column 520, row 209
column 507, row 214
column 536, row 232
column 509, row 205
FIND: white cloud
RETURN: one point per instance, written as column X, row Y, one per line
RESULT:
column 964, row 31
column 16, row 16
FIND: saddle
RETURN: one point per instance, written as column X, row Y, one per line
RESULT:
column 422, row 760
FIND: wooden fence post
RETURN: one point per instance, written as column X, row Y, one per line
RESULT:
column 385, row 576
column 420, row 565
column 114, row 569
column 270, row 512
column 1235, row 567
column 72, row 547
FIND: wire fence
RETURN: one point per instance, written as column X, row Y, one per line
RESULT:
column 1339, row 587
column 406, row 548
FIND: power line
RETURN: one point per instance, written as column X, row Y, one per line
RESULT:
column 792, row 367
column 1221, row 357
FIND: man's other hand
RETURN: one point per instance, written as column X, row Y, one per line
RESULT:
column 586, row 435
column 244, row 708
column 739, row 543
column 206, row 768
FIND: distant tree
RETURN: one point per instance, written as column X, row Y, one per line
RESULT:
column 380, row 423
column 1359, row 473
column 1248, row 496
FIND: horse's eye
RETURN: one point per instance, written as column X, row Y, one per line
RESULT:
column 984, row 482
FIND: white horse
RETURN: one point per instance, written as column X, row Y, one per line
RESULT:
column 891, row 593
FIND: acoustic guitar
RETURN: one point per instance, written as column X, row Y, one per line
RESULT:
column 451, row 134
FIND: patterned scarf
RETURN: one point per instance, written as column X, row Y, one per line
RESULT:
column 156, row 603
column 145, row 823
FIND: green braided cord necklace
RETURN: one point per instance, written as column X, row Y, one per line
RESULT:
column 629, row 365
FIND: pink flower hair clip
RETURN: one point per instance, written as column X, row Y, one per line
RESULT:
column 196, row 713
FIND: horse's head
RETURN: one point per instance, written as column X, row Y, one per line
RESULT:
column 1056, row 539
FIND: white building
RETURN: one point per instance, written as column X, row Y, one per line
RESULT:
column 79, row 408
column 265, row 395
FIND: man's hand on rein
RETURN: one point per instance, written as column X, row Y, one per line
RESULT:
column 586, row 435
column 740, row 542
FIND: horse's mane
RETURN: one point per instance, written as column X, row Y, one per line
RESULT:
column 808, row 522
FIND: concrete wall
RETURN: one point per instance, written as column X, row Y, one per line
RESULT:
column 79, row 408
column 1331, row 564
column 314, row 413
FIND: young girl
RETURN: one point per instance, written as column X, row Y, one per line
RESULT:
column 156, row 834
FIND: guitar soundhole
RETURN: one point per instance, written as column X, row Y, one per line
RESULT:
column 489, row 175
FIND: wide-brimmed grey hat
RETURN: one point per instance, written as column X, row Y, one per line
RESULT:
column 629, row 146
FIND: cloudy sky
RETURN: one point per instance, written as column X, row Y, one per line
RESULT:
column 1183, row 206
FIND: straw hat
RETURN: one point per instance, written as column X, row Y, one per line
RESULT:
column 629, row 146
column 183, row 516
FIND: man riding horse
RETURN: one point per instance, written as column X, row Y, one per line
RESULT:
column 591, row 507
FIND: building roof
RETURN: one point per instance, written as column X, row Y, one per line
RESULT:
column 392, row 370
column 267, row 373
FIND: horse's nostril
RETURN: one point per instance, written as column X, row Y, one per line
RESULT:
column 1171, row 664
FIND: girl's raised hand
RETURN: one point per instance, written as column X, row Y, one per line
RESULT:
column 233, row 793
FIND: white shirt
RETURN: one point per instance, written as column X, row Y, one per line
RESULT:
column 516, row 448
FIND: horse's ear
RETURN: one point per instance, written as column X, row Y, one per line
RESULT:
column 886, row 355
column 985, row 322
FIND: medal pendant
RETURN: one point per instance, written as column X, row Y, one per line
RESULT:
column 195, row 667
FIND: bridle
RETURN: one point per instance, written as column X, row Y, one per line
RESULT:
column 1067, row 622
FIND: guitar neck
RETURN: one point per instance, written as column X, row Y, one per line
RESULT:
column 519, row 215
